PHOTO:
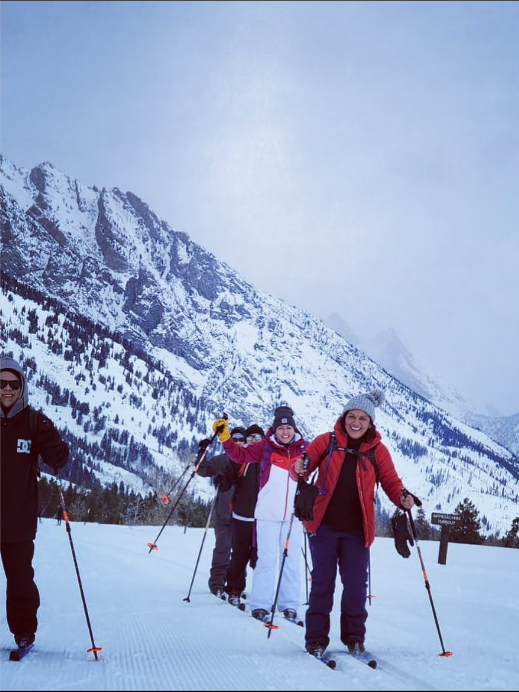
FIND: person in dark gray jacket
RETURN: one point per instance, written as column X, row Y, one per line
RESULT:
column 26, row 434
column 218, row 468
column 244, row 549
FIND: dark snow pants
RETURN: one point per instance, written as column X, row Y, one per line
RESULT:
column 329, row 548
column 22, row 596
column 243, row 550
column 221, row 555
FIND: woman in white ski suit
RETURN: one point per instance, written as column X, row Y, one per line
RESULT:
column 282, row 446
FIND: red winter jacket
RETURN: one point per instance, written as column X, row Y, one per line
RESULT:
column 387, row 475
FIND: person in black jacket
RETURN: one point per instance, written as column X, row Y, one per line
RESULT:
column 218, row 468
column 20, row 447
column 244, row 549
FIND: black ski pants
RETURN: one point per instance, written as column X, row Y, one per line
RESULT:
column 22, row 596
column 242, row 551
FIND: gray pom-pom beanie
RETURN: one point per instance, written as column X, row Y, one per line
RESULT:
column 365, row 402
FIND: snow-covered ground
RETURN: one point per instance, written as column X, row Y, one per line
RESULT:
column 152, row 638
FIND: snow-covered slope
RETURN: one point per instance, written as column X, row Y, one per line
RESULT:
column 153, row 639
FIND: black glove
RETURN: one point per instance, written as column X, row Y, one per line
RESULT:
column 222, row 481
column 203, row 444
column 304, row 500
column 402, row 534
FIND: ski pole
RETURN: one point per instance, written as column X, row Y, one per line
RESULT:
column 370, row 595
column 165, row 498
column 202, row 450
column 94, row 649
column 270, row 624
column 427, row 585
column 191, row 498
column 201, row 546
column 307, row 568
column 153, row 544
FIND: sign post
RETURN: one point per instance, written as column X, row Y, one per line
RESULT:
column 446, row 521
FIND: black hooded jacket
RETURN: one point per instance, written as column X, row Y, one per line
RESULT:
column 19, row 451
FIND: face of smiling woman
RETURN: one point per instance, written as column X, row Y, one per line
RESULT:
column 356, row 423
column 285, row 433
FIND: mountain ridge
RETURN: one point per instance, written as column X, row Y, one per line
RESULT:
column 387, row 349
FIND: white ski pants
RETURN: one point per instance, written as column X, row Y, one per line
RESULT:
column 271, row 540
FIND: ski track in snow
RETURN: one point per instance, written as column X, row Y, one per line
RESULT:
column 153, row 639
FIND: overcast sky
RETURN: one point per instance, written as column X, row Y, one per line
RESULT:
column 359, row 158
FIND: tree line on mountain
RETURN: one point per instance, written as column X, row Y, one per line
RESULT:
column 118, row 505
column 89, row 346
column 456, row 440
column 77, row 324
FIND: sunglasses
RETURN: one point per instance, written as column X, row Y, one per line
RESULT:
column 14, row 384
column 254, row 438
column 238, row 438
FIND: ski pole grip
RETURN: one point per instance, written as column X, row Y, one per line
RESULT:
column 417, row 501
column 220, row 427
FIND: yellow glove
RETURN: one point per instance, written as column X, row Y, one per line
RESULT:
column 221, row 428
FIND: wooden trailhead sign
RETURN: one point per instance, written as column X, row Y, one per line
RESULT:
column 447, row 522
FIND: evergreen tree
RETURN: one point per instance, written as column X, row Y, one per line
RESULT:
column 511, row 540
column 382, row 522
column 423, row 528
column 468, row 528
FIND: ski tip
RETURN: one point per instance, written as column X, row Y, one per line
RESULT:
column 18, row 654
column 330, row 662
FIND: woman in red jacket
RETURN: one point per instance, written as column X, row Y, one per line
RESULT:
column 343, row 527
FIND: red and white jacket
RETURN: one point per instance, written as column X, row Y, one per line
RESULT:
column 277, row 487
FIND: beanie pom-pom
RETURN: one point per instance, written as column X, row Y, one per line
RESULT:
column 377, row 396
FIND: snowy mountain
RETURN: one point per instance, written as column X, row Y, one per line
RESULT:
column 136, row 339
column 387, row 349
column 503, row 429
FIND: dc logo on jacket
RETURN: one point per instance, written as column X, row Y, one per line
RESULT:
column 24, row 446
